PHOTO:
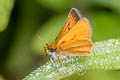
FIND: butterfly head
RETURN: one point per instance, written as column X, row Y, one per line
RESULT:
column 48, row 48
column 51, row 51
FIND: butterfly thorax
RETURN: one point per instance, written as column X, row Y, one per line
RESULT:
column 50, row 50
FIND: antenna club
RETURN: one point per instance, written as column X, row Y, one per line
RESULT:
column 38, row 36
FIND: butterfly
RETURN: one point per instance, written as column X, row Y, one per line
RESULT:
column 74, row 38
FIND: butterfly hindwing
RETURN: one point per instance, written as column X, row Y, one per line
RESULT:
column 82, row 47
column 76, row 44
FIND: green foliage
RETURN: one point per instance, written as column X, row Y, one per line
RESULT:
column 5, row 10
column 113, row 4
column 105, row 56
column 1, row 78
column 56, row 5
column 99, row 25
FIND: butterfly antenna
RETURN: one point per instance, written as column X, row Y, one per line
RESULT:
column 38, row 36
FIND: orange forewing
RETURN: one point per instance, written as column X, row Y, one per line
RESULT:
column 72, row 19
column 81, row 30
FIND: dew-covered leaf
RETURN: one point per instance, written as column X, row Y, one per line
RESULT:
column 105, row 56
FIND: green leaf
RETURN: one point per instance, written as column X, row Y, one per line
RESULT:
column 96, row 75
column 105, row 56
column 5, row 10
column 1, row 78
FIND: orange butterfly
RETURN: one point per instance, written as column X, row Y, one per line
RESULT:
column 74, row 38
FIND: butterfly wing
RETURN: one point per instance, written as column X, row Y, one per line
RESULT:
column 72, row 19
column 80, row 47
column 77, row 40
column 81, row 30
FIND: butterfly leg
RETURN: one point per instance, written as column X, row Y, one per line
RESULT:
column 46, row 54
column 60, row 57
column 69, row 56
column 52, row 61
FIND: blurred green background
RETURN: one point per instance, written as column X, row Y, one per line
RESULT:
column 21, row 20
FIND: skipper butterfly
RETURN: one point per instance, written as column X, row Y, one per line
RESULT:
column 74, row 38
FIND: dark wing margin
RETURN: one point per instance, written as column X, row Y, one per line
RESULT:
column 72, row 19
